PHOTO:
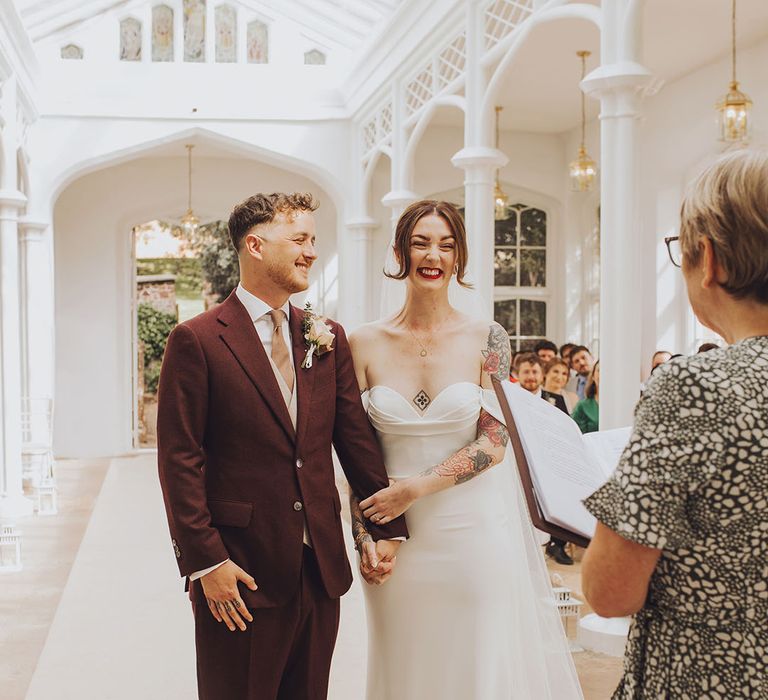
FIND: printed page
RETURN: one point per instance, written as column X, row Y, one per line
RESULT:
column 605, row 448
column 562, row 471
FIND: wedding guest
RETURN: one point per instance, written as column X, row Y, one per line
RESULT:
column 659, row 358
column 587, row 411
column 546, row 350
column 682, row 537
column 529, row 372
column 566, row 349
column 581, row 363
column 556, row 374
column 706, row 347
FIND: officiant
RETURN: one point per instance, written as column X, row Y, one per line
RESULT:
column 682, row 535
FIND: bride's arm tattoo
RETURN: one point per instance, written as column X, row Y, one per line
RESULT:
column 359, row 531
column 497, row 354
column 476, row 457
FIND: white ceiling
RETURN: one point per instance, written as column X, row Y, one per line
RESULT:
column 348, row 23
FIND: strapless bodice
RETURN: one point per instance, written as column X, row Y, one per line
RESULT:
column 412, row 441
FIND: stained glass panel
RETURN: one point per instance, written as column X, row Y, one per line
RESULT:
column 130, row 40
column 258, row 42
column 226, row 34
column 194, row 31
column 72, row 52
column 314, row 58
column 162, row 33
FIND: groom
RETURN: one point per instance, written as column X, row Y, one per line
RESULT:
column 244, row 451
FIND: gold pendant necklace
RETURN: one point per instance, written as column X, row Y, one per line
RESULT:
column 424, row 348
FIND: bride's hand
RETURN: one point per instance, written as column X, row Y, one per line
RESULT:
column 389, row 503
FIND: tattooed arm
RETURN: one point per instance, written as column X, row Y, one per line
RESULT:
column 484, row 452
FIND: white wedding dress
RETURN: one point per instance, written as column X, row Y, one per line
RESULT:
column 468, row 613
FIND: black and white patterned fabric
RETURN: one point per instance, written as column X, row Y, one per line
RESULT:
column 693, row 482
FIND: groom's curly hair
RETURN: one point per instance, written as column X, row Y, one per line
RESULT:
column 407, row 223
column 263, row 209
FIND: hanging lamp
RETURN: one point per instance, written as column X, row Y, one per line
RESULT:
column 500, row 199
column 734, row 122
column 583, row 170
column 189, row 222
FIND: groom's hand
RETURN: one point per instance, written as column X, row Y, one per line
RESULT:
column 386, row 556
column 224, row 601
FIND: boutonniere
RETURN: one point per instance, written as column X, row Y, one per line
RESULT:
column 317, row 335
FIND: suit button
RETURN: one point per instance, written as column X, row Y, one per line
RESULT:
column 297, row 506
column 299, row 463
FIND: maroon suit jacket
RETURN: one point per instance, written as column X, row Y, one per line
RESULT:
column 237, row 480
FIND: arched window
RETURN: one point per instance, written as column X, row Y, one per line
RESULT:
column 258, row 42
column 194, row 31
column 314, row 58
column 226, row 34
column 130, row 39
column 72, row 52
column 162, row 33
column 520, row 275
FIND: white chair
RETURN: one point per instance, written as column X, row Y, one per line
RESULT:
column 10, row 548
column 36, row 448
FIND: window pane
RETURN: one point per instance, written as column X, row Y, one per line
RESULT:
column 506, row 230
column 528, row 344
column 505, row 267
column 533, row 268
column 505, row 313
column 533, row 227
column 533, row 317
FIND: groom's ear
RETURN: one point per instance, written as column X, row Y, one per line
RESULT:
column 253, row 245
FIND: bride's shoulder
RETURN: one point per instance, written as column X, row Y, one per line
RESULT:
column 367, row 333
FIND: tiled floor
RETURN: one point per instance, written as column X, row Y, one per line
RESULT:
column 98, row 612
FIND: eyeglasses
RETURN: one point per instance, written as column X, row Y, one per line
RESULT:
column 674, row 250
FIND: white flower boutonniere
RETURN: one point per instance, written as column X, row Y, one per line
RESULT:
column 317, row 334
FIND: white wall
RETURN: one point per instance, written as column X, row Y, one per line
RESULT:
column 93, row 218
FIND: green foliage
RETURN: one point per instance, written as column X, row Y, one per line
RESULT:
column 217, row 258
column 188, row 273
column 152, row 376
column 154, row 327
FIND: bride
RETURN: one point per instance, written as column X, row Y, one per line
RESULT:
column 467, row 612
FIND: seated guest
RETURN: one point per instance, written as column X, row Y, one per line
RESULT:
column 682, row 535
column 546, row 350
column 556, row 373
column 581, row 363
column 531, row 375
column 587, row 411
column 659, row 358
column 566, row 349
column 706, row 347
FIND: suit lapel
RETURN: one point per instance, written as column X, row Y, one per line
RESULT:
column 242, row 340
column 305, row 378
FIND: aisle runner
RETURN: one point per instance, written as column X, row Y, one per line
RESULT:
column 123, row 629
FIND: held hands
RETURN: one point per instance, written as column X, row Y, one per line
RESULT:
column 387, row 504
column 224, row 601
column 377, row 560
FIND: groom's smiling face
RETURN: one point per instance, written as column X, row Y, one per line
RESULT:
column 288, row 250
column 432, row 251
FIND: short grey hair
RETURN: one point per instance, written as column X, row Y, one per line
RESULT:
column 728, row 203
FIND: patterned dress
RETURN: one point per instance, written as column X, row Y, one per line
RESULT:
column 693, row 482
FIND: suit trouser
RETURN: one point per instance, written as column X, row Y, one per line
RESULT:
column 284, row 654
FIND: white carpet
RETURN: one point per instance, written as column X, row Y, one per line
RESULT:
column 123, row 629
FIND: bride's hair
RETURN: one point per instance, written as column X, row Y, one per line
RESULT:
column 407, row 222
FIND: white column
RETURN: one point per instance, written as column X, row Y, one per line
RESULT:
column 479, row 164
column 360, row 235
column 37, row 308
column 12, row 500
column 618, row 83
column 479, row 161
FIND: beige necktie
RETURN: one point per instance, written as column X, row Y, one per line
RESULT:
column 280, row 355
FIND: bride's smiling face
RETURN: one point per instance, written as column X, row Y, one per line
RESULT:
column 432, row 253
